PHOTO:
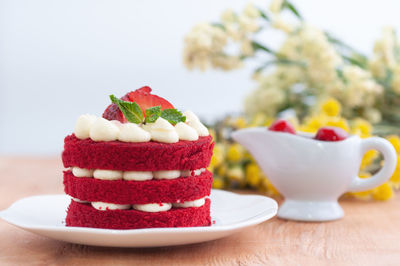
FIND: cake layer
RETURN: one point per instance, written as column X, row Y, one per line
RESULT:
column 138, row 192
column 143, row 156
column 84, row 215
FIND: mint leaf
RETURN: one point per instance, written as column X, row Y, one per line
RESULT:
column 173, row 116
column 131, row 110
column 152, row 114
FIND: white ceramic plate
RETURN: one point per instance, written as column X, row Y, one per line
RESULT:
column 45, row 215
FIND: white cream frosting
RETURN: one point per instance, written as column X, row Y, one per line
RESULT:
column 153, row 207
column 193, row 121
column 83, row 125
column 162, row 131
column 107, row 174
column 131, row 132
column 134, row 175
column 137, row 175
column 82, row 172
column 185, row 132
column 78, row 200
column 103, row 206
column 189, row 204
column 150, row 207
column 186, row 173
column 199, row 171
column 168, row 174
column 104, row 130
column 100, row 129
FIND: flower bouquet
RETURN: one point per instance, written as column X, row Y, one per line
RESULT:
column 312, row 79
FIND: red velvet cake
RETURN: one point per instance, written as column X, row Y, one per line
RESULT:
column 142, row 165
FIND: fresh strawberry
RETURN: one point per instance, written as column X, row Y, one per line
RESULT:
column 142, row 97
column 145, row 99
column 113, row 113
column 282, row 125
column 331, row 134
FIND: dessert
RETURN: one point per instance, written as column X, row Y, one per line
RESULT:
column 141, row 165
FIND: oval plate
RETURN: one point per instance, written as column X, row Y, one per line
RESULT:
column 45, row 215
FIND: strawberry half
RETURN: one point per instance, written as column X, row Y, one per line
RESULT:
column 145, row 99
column 331, row 134
column 142, row 97
column 282, row 125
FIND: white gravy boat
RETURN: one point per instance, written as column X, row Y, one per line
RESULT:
column 312, row 174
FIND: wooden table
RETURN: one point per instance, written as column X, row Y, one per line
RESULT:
column 368, row 235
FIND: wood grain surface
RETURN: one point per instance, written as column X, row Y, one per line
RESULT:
column 368, row 235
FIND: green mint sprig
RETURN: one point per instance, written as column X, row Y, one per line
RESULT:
column 173, row 116
column 131, row 110
column 134, row 114
column 152, row 114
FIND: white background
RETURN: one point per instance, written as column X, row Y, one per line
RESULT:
column 60, row 59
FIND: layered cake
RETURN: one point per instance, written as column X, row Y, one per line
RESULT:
column 143, row 164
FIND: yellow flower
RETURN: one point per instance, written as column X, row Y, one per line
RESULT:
column 368, row 158
column 331, row 107
column 362, row 128
column 213, row 134
column 395, row 179
column 218, row 155
column 266, row 186
column 235, row 173
column 258, row 119
column 383, row 192
column 338, row 122
column 268, row 122
column 252, row 174
column 395, row 140
column 247, row 156
column 218, row 183
column 221, row 170
column 239, row 122
column 312, row 124
column 235, row 153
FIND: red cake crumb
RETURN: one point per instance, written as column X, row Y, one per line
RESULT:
column 143, row 156
column 84, row 215
column 138, row 192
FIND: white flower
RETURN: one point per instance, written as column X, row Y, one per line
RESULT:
column 373, row 115
column 247, row 48
column 377, row 67
column 228, row 16
column 226, row 62
column 275, row 6
column 201, row 44
column 396, row 80
column 385, row 47
column 359, row 89
column 264, row 100
column 251, row 11
column 310, row 46
column 278, row 23
column 248, row 24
